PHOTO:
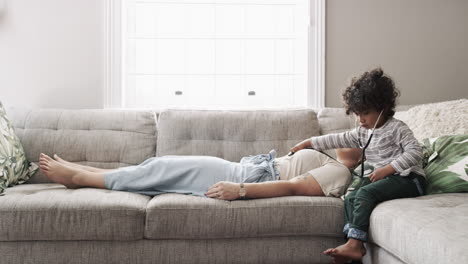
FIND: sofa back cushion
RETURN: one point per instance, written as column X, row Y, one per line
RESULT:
column 437, row 119
column 233, row 134
column 335, row 120
column 101, row 138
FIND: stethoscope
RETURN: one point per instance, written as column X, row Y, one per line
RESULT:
column 364, row 147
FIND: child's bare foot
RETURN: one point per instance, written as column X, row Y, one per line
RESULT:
column 340, row 260
column 352, row 250
column 58, row 172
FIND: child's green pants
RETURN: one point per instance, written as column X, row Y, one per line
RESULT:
column 360, row 203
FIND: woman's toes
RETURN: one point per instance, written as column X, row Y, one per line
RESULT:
column 44, row 157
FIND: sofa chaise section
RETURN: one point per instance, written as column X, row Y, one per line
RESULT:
column 405, row 230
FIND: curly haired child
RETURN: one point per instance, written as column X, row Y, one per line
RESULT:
column 389, row 146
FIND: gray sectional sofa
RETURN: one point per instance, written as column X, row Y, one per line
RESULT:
column 43, row 222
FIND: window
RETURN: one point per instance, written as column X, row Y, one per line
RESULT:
column 209, row 53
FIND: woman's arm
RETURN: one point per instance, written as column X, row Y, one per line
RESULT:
column 302, row 185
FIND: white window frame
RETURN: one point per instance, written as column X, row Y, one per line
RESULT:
column 114, row 61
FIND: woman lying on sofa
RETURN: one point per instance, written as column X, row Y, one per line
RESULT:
column 307, row 172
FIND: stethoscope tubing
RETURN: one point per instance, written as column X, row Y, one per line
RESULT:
column 363, row 148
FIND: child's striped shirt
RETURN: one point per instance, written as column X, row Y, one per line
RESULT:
column 393, row 143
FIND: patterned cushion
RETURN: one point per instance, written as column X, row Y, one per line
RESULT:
column 15, row 168
column 446, row 160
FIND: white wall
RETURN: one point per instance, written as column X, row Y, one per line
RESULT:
column 51, row 53
column 422, row 44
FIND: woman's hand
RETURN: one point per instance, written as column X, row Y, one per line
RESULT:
column 224, row 190
column 301, row 145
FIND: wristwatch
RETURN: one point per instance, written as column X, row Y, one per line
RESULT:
column 242, row 191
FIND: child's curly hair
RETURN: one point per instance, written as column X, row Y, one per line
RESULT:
column 371, row 91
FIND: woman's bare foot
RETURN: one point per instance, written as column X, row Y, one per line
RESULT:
column 58, row 172
column 79, row 166
column 59, row 159
column 351, row 250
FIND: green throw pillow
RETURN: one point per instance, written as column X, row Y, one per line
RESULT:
column 14, row 167
column 446, row 164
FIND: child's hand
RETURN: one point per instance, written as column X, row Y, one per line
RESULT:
column 377, row 175
column 381, row 173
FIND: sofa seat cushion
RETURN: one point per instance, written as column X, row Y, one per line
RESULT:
column 52, row 212
column 177, row 216
column 427, row 229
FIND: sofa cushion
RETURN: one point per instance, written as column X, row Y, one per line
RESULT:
column 52, row 212
column 427, row 229
column 100, row 138
column 233, row 134
column 447, row 164
column 437, row 119
column 177, row 216
column 14, row 166
column 334, row 120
